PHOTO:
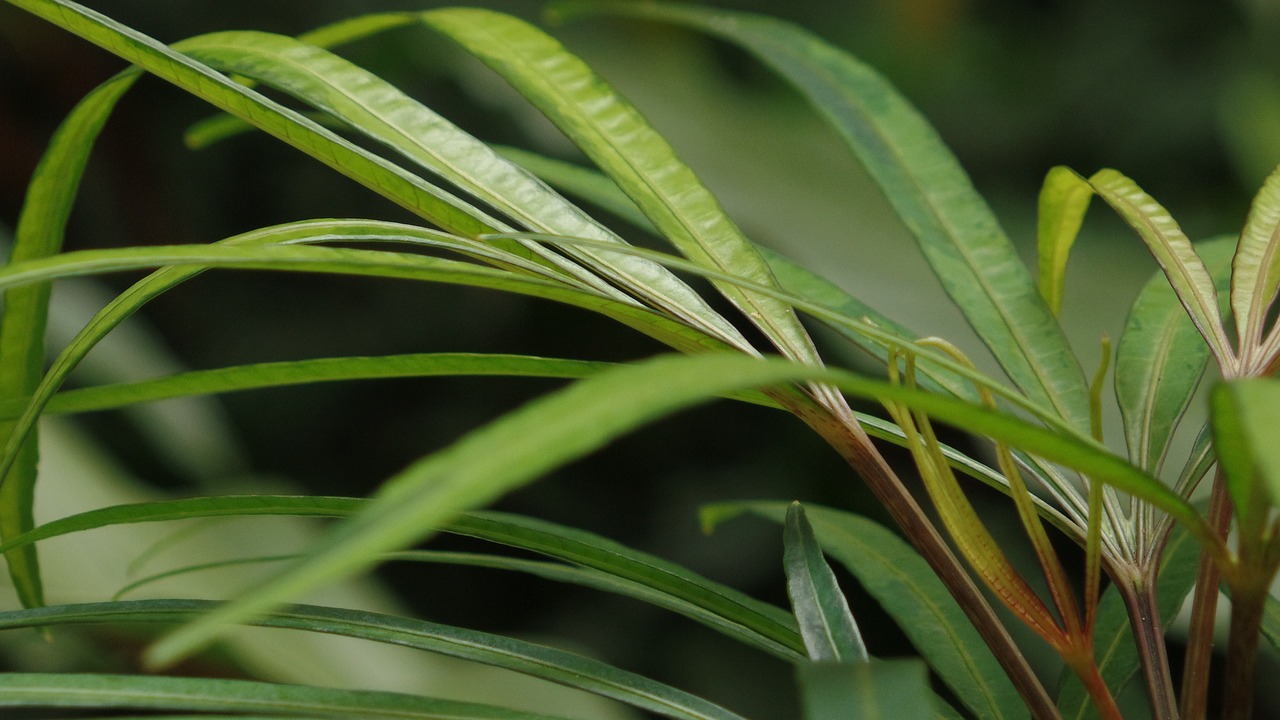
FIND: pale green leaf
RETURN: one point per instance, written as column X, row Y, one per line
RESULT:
column 1160, row 360
column 1255, row 274
column 373, row 107
column 1175, row 254
column 829, row 630
column 958, row 233
column 615, row 136
column 908, row 590
column 547, row 663
column 1064, row 199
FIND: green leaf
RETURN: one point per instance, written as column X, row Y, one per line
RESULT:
column 1064, row 199
column 892, row 690
column 1246, row 423
column 614, row 135
column 1114, row 644
column 40, row 233
column 1160, row 360
column 1255, row 274
column 640, row 575
column 377, row 109
column 143, row 692
column 958, row 233
column 829, row 630
column 247, row 252
column 905, row 587
column 557, row 666
column 1173, row 251
column 508, row 453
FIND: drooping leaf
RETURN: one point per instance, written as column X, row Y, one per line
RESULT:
column 958, row 233
column 39, row 233
column 826, row 623
column 1160, row 360
column 1174, row 253
column 373, row 107
column 506, row 454
column 891, row 690
column 547, row 663
column 1255, row 273
column 902, row 582
column 618, row 139
column 1064, row 199
column 147, row 692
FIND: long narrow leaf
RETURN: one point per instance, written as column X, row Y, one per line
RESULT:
column 1160, row 360
column 666, row 584
column 1255, row 274
column 143, row 692
column 504, row 455
column 40, row 232
column 1173, row 251
column 372, row 106
column 958, row 233
column 610, row 131
column 829, row 630
column 900, row 580
column 557, row 666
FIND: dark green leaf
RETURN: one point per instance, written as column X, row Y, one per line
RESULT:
column 830, row 633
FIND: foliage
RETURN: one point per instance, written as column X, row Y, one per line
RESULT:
column 491, row 219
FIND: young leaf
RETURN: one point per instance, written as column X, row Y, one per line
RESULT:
column 1064, row 199
column 1255, row 273
column 901, row 581
column 892, row 690
column 829, row 630
column 958, row 233
column 614, row 135
column 1160, row 360
column 1173, row 251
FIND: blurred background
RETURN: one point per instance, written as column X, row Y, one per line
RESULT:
column 1182, row 96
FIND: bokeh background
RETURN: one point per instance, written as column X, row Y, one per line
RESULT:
column 1183, row 96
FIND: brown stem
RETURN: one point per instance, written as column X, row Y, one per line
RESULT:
column 1148, row 634
column 1247, row 606
column 1204, row 611
column 848, row 438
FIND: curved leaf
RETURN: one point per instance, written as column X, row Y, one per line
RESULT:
column 528, row 658
column 1255, row 271
column 145, row 692
column 40, row 233
column 1064, row 199
column 613, row 134
column 960, row 237
column 639, row 574
column 829, row 630
column 377, row 109
column 1173, row 251
column 1160, row 360
column 901, row 581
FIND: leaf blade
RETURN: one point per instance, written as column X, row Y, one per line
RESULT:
column 830, row 632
